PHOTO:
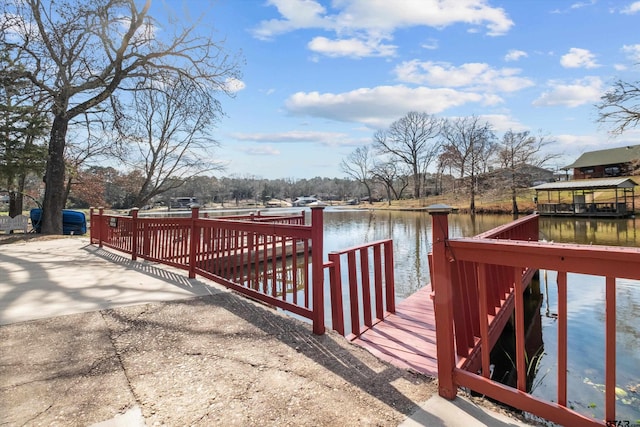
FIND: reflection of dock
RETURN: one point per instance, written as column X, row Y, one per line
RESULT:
column 588, row 210
column 241, row 257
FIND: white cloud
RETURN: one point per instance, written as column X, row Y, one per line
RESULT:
column 431, row 44
column 233, row 85
column 377, row 107
column 515, row 55
column 580, row 92
column 322, row 138
column 262, row 150
column 296, row 14
column 632, row 8
column 632, row 52
column 362, row 26
column 578, row 58
column 350, row 47
column 503, row 123
column 474, row 75
column 581, row 4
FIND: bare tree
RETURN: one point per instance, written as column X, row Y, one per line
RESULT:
column 467, row 145
column 359, row 166
column 90, row 141
column 620, row 106
column 168, row 135
column 411, row 139
column 516, row 151
column 80, row 53
column 394, row 179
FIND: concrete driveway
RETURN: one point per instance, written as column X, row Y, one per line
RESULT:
column 47, row 278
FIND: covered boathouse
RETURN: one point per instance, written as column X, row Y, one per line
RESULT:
column 601, row 197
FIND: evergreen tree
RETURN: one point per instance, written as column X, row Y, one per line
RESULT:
column 22, row 126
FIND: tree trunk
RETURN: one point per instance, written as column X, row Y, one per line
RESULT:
column 472, row 204
column 16, row 199
column 15, row 207
column 54, row 179
column 514, row 194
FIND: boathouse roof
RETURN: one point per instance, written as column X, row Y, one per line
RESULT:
column 611, row 156
column 587, row 184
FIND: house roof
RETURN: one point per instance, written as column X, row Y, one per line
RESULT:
column 587, row 184
column 611, row 156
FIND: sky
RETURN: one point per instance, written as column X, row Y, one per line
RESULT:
column 320, row 77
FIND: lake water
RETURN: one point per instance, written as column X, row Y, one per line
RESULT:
column 411, row 234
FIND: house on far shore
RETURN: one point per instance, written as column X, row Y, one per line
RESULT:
column 613, row 162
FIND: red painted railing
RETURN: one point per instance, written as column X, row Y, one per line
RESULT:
column 369, row 302
column 480, row 256
column 259, row 217
column 275, row 259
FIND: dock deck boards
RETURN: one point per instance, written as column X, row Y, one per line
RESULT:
column 407, row 338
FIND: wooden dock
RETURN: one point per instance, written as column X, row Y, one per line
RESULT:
column 407, row 338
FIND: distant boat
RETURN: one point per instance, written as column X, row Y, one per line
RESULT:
column 304, row 201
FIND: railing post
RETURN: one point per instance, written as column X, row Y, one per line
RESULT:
column 389, row 278
column 335, row 282
column 100, row 224
column 443, row 307
column 194, row 241
column 317, row 268
column 134, row 233
column 91, row 231
column 146, row 240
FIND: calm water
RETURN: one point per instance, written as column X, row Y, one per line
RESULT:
column 411, row 233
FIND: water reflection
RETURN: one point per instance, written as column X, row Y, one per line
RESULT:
column 586, row 345
column 411, row 234
column 612, row 232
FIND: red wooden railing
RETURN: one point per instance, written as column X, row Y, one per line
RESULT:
column 498, row 281
column 259, row 217
column 255, row 255
column 481, row 255
column 366, row 299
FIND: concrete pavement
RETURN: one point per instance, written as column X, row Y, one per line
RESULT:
column 91, row 338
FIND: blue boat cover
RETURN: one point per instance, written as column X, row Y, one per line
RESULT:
column 73, row 222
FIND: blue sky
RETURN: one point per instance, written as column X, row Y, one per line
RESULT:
column 320, row 77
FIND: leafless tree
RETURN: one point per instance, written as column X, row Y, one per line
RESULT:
column 90, row 141
column 167, row 138
column 80, row 53
column 413, row 140
column 467, row 145
column 391, row 175
column 620, row 106
column 359, row 166
column 516, row 151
